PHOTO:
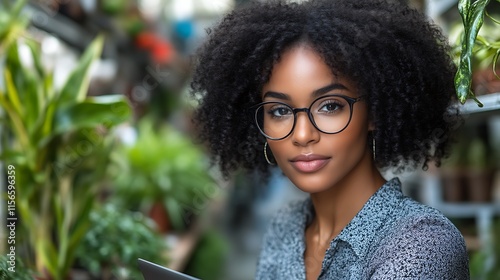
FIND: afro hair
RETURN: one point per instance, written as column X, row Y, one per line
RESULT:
column 395, row 55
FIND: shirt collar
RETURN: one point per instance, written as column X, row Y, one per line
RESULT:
column 368, row 221
column 371, row 218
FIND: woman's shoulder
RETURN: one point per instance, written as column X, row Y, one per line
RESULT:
column 421, row 241
column 417, row 216
column 425, row 226
column 403, row 215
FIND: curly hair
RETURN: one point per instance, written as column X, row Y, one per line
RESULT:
column 394, row 54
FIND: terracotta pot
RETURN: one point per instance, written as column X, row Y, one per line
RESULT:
column 159, row 214
column 479, row 185
column 496, row 187
column 484, row 81
column 453, row 185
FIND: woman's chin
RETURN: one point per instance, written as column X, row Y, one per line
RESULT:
column 312, row 186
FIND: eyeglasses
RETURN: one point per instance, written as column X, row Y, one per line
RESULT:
column 329, row 114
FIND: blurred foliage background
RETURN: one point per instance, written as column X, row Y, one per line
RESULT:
column 95, row 117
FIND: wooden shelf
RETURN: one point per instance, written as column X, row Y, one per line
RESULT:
column 468, row 210
column 482, row 212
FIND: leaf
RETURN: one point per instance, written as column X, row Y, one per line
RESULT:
column 12, row 93
column 174, row 211
column 46, row 253
column 12, row 23
column 77, row 84
column 16, row 122
column 464, row 9
column 48, row 90
column 59, row 214
column 94, row 111
column 13, row 157
column 495, row 60
column 472, row 16
column 35, row 52
column 65, row 205
column 43, row 127
column 492, row 18
column 26, row 85
column 81, row 225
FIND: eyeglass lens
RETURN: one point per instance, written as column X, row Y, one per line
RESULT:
column 330, row 114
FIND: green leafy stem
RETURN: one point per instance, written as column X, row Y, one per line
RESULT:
column 472, row 13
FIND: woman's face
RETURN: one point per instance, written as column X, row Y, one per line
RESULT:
column 312, row 160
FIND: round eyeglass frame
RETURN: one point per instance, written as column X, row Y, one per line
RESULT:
column 349, row 100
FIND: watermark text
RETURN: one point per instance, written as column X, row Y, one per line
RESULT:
column 11, row 218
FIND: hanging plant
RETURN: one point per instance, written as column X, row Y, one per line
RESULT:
column 473, row 13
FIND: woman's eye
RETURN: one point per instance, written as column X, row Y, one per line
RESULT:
column 280, row 112
column 330, row 107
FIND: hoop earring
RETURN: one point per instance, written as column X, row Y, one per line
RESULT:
column 373, row 148
column 265, row 154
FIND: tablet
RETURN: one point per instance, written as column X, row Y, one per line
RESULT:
column 152, row 271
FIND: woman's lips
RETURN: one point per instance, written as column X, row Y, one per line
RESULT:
column 309, row 163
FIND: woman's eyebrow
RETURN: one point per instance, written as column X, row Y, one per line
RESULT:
column 277, row 95
column 323, row 90
column 315, row 93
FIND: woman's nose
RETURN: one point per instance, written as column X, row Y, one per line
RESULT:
column 304, row 132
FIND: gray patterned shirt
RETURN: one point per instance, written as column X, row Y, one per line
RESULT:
column 391, row 237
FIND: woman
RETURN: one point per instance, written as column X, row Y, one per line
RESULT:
column 331, row 91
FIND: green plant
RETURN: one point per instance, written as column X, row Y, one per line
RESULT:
column 472, row 13
column 13, row 271
column 116, row 240
column 57, row 141
column 113, row 7
column 208, row 259
column 11, row 22
column 477, row 154
column 163, row 166
column 457, row 156
column 485, row 264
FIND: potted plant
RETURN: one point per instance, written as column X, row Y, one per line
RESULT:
column 452, row 174
column 109, row 257
column 485, row 263
column 474, row 46
column 208, row 259
column 163, row 171
column 57, row 140
column 14, row 269
column 479, row 172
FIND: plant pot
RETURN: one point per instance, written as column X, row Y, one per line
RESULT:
column 479, row 185
column 496, row 187
column 453, row 185
column 159, row 215
column 484, row 81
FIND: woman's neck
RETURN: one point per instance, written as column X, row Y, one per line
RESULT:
column 336, row 207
